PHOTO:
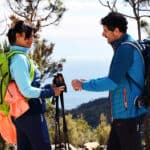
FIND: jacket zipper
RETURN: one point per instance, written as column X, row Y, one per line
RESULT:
column 125, row 98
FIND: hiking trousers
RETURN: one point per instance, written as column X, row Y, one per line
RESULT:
column 32, row 133
column 125, row 135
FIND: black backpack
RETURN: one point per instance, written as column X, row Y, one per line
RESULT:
column 143, row 46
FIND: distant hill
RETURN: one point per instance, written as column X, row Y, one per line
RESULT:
column 91, row 111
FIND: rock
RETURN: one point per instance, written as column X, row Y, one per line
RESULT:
column 92, row 146
column 63, row 147
column 10, row 147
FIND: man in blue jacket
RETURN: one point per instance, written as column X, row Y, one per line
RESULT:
column 126, row 70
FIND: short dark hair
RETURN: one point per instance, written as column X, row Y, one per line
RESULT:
column 20, row 27
column 113, row 20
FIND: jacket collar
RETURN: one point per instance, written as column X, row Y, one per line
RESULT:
column 118, row 42
column 19, row 48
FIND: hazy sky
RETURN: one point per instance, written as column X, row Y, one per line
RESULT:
column 78, row 39
column 78, row 35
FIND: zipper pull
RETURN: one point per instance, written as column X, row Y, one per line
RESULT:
column 125, row 98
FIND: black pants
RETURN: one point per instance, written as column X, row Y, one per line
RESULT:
column 32, row 133
column 125, row 135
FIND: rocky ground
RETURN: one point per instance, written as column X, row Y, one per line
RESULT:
column 87, row 146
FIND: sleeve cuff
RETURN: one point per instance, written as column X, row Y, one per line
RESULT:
column 47, row 93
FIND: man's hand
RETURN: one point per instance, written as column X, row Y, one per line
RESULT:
column 77, row 84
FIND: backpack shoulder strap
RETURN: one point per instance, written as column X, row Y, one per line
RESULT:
column 12, row 53
column 136, row 45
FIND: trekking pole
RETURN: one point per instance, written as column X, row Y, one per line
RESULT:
column 59, row 81
column 57, row 125
column 65, row 129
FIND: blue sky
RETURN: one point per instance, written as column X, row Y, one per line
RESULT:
column 78, row 39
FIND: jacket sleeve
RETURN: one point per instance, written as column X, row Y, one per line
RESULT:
column 20, row 72
column 120, row 65
column 100, row 84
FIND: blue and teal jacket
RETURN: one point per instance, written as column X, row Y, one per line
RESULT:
column 32, row 90
column 127, row 64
